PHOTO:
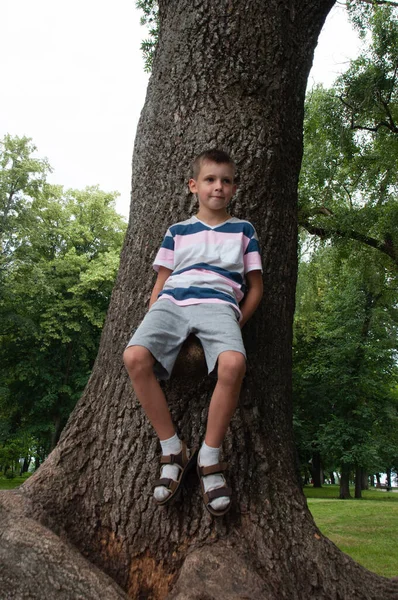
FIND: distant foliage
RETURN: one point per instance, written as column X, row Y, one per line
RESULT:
column 349, row 179
column 59, row 259
column 150, row 18
column 346, row 322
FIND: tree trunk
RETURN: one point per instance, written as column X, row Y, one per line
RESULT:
column 378, row 484
column 364, row 480
column 332, row 478
column 358, row 482
column 230, row 74
column 316, row 470
column 388, row 481
column 25, row 465
column 345, row 482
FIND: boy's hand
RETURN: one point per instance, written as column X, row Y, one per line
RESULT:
column 163, row 275
column 253, row 297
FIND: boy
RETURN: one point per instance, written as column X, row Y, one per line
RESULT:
column 203, row 267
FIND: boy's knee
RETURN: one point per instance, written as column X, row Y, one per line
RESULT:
column 137, row 360
column 231, row 366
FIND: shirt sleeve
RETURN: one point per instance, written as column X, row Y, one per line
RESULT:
column 165, row 255
column 252, row 256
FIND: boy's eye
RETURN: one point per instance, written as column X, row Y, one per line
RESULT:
column 227, row 181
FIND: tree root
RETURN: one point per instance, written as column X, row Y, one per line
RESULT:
column 219, row 572
column 36, row 564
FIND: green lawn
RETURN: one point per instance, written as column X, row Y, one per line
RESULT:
column 10, row 484
column 365, row 529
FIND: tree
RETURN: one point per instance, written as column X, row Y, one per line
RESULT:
column 348, row 183
column 22, row 177
column 61, row 256
column 232, row 75
column 344, row 358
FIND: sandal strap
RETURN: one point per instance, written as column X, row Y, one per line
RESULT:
column 212, row 469
column 218, row 493
column 169, row 484
column 180, row 459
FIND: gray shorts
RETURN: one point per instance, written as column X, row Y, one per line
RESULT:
column 167, row 325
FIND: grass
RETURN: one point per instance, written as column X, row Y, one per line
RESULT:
column 10, row 484
column 365, row 529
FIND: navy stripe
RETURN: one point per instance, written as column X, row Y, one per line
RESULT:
column 246, row 228
column 188, row 229
column 229, row 274
column 168, row 242
column 253, row 246
column 192, row 228
column 198, row 293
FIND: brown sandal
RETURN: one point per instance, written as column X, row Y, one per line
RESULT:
column 222, row 491
column 184, row 464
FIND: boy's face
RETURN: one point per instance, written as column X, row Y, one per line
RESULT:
column 214, row 185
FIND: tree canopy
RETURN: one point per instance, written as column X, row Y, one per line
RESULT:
column 348, row 181
column 60, row 254
column 346, row 320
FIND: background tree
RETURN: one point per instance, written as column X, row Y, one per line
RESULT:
column 345, row 349
column 348, row 183
column 232, row 75
column 348, row 190
column 60, row 259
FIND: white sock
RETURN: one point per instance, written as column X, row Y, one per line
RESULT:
column 211, row 456
column 170, row 446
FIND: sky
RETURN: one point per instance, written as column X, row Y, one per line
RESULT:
column 73, row 80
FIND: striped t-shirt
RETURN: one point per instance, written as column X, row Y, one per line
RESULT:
column 208, row 263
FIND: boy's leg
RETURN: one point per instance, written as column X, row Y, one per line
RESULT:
column 159, row 335
column 231, row 370
column 139, row 364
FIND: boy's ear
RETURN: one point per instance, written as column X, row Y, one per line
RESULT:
column 192, row 186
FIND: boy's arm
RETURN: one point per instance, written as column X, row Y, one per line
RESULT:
column 252, row 299
column 163, row 275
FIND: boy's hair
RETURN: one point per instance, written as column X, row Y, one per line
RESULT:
column 213, row 155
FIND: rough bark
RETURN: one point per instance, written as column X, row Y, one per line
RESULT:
column 232, row 74
column 36, row 563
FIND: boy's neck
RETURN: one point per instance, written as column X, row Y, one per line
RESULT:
column 212, row 217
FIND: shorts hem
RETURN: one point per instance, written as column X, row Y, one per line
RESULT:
column 159, row 369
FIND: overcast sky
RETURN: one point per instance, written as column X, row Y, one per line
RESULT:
column 73, row 80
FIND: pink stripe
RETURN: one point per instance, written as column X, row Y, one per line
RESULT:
column 252, row 261
column 165, row 255
column 239, row 295
column 192, row 301
column 208, row 237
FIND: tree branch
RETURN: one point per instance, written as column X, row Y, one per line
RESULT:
column 392, row 125
column 388, row 124
column 386, row 247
